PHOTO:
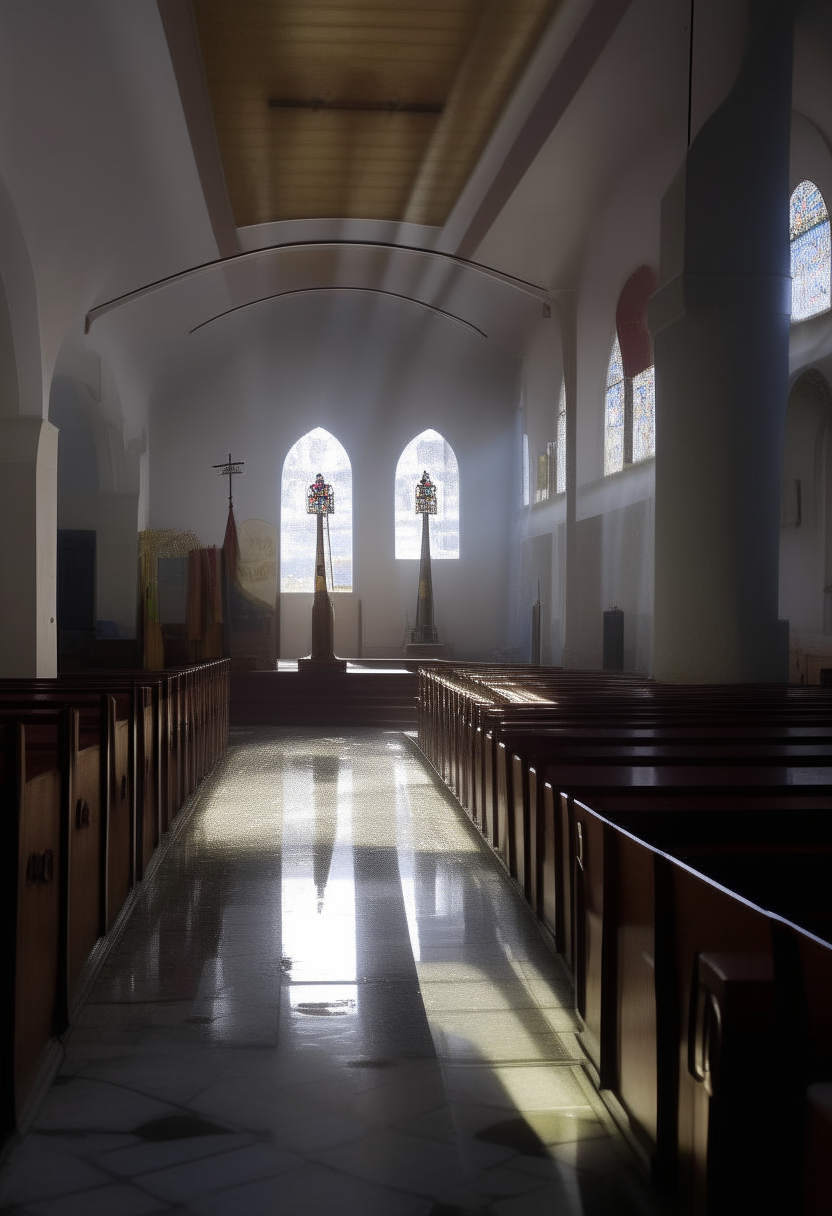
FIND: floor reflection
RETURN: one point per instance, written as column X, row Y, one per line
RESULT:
column 330, row 1000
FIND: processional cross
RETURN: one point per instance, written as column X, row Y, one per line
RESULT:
column 230, row 469
column 320, row 501
column 424, row 632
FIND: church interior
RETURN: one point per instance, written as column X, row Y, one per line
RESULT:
column 464, row 860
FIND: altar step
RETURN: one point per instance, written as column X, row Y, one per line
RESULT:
column 355, row 698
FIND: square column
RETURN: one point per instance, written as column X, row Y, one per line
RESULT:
column 28, row 547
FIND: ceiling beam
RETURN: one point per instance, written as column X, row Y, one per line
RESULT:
column 572, row 70
column 180, row 32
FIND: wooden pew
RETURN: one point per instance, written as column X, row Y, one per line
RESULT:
column 681, row 986
column 726, row 779
column 83, row 785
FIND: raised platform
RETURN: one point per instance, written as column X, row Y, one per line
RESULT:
column 363, row 696
column 419, row 651
column 323, row 666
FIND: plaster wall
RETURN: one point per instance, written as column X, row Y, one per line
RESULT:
column 374, row 377
column 113, row 518
column 614, row 514
column 28, row 497
column 806, row 508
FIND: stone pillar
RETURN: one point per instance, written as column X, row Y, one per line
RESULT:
column 425, row 631
column 323, row 651
column 720, row 323
column 568, row 334
column 28, row 547
column 322, row 647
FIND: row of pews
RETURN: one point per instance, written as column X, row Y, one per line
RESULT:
column 94, row 767
column 676, row 842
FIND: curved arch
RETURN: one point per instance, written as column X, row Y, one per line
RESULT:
column 811, row 252
column 534, row 290
column 428, row 451
column 630, row 398
column 377, row 291
column 315, row 452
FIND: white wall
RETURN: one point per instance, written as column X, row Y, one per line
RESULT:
column 374, row 376
column 614, row 514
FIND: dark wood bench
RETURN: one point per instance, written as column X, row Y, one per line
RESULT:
column 681, row 983
column 82, row 806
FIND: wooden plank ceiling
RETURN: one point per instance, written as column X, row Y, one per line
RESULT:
column 368, row 109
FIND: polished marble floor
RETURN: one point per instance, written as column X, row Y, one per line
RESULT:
column 329, row 999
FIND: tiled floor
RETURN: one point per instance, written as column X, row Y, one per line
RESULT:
column 330, row 999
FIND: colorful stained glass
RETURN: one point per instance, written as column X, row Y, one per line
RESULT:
column 644, row 415
column 321, row 498
column 427, row 451
column 614, row 412
column 806, row 209
column 560, row 438
column 425, row 496
column 614, row 431
column 615, row 367
column 527, row 489
column 811, row 253
column 315, row 450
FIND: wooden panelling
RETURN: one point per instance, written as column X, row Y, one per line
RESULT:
column 378, row 110
column 39, row 920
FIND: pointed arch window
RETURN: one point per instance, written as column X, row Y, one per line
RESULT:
column 428, row 451
column 316, row 452
column 614, row 412
column 630, row 395
column 811, row 253
column 560, row 442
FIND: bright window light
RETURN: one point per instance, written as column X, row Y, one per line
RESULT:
column 316, row 452
column 431, row 453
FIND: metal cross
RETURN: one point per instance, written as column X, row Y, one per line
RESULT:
column 231, row 469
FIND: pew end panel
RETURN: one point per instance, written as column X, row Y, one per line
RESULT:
column 39, row 953
column 817, row 1164
column 536, row 840
column 635, row 1067
column 549, row 882
column 84, row 830
column 490, row 824
column 120, row 826
column 591, row 940
column 504, row 808
column 716, row 1166
column 520, row 823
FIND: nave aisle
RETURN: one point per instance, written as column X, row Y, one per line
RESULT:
column 330, row 999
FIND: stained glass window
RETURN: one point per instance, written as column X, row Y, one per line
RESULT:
column 644, row 415
column 425, row 496
column 541, row 492
column 316, row 452
column 321, row 498
column 614, row 412
column 811, row 255
column 560, row 435
column 432, row 452
column 525, row 471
